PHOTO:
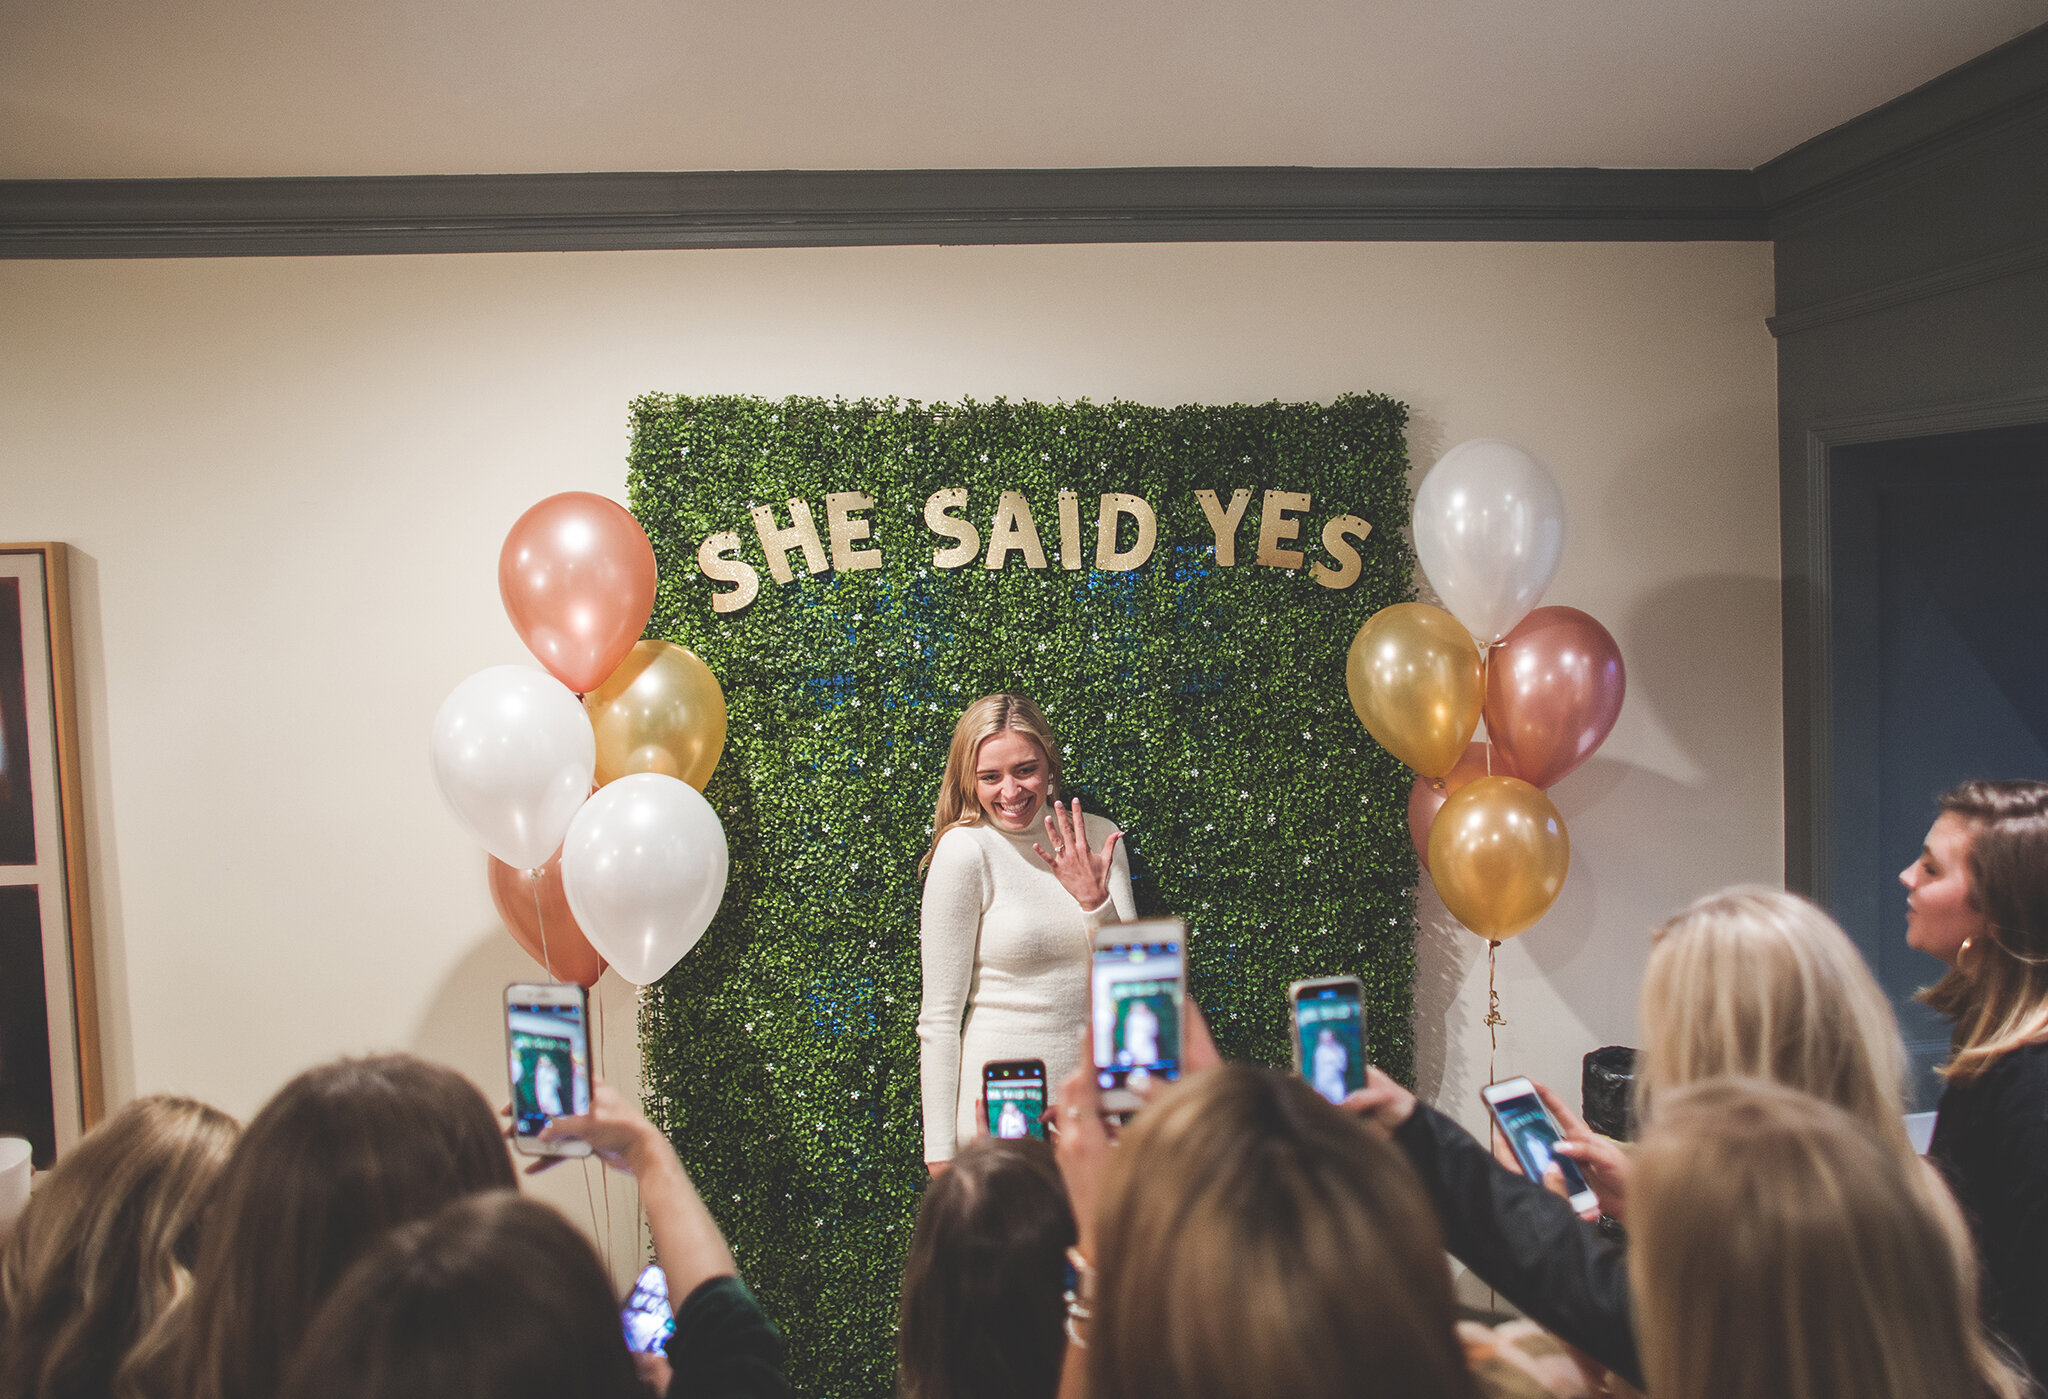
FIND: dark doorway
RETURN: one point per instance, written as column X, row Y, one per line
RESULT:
column 1938, row 590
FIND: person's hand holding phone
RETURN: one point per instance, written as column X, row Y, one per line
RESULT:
column 1082, row 1136
column 1601, row 1160
column 1081, row 1144
column 1382, row 1102
column 687, row 1243
column 615, row 1131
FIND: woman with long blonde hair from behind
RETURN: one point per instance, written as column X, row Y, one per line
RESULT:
column 1015, row 885
column 1748, row 981
column 104, row 1250
column 1783, row 1251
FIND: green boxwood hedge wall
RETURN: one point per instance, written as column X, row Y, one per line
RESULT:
column 1201, row 707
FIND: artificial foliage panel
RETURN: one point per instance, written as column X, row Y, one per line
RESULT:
column 1201, row 707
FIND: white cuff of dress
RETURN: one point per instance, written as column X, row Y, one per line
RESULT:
column 1104, row 912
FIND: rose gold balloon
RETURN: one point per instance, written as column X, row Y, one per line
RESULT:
column 660, row 711
column 577, row 575
column 565, row 953
column 1428, row 794
column 1554, row 688
column 1499, row 852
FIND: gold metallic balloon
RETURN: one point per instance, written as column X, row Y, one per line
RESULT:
column 1418, row 685
column 1499, row 852
column 660, row 711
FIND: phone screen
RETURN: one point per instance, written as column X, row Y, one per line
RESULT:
column 1013, row 1095
column 647, row 1321
column 1136, row 1007
column 1527, row 1125
column 550, row 1064
column 1329, row 1029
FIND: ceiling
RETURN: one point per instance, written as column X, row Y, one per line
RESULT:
column 109, row 88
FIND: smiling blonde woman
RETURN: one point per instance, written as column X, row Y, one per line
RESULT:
column 1015, row 886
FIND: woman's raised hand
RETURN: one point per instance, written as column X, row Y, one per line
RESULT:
column 1082, row 872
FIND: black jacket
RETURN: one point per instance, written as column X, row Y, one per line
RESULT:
column 1991, row 1142
column 724, row 1347
column 1526, row 1243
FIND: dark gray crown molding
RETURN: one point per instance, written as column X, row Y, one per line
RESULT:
column 1978, row 99
column 844, row 208
column 768, row 209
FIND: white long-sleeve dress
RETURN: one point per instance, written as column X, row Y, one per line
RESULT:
column 1006, row 952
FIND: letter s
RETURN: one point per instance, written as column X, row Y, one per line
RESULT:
column 719, row 557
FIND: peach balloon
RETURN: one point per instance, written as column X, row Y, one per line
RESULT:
column 578, row 576
column 1429, row 794
column 564, row 952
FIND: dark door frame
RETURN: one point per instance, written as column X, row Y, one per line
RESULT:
column 1809, row 659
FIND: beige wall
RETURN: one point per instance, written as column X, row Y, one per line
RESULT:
column 287, row 480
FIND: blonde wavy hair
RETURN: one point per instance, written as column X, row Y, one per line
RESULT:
column 1759, row 983
column 984, row 719
column 103, row 1252
column 1780, row 1250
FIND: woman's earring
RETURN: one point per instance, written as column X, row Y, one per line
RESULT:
column 1963, row 951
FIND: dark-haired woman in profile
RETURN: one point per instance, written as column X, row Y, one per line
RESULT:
column 343, row 1153
column 1978, row 900
column 982, row 1315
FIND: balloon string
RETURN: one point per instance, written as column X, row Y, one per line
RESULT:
column 604, row 1177
column 533, row 882
column 1494, row 1019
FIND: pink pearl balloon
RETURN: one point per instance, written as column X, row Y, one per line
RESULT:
column 1554, row 688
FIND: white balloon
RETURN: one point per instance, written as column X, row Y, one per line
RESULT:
column 514, row 754
column 644, row 867
column 1489, row 531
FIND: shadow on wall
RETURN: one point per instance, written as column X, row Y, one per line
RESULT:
column 1704, row 662
column 464, row 1027
column 102, row 852
column 1444, row 954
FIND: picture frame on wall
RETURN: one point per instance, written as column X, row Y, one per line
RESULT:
column 50, row 1072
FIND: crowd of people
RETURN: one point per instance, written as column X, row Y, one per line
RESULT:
column 1238, row 1236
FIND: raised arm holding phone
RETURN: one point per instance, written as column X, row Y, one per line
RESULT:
column 723, row 1344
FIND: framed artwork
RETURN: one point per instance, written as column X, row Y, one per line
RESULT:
column 50, row 1087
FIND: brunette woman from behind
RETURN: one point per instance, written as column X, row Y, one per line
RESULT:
column 342, row 1154
column 494, row 1297
column 1251, row 1240
column 103, row 1250
column 1977, row 899
column 1783, row 1251
column 982, row 1315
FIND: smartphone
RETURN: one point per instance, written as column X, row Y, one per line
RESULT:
column 548, row 1039
column 646, row 1319
column 1534, row 1135
column 1013, row 1096
column 1135, row 987
column 1329, row 1034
